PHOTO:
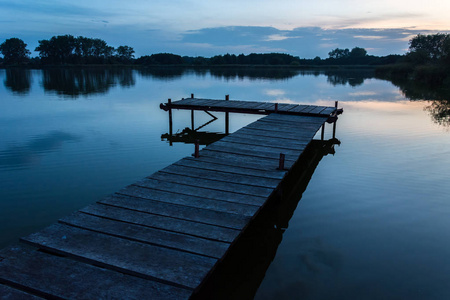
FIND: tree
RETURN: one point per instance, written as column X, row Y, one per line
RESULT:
column 14, row 51
column 432, row 46
column 358, row 52
column 339, row 53
column 125, row 53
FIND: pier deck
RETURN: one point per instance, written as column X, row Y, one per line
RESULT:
column 160, row 237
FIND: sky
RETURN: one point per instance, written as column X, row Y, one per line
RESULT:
column 209, row 27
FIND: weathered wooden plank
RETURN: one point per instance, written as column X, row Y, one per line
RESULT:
column 266, row 106
column 300, row 137
column 254, row 151
column 144, row 234
column 175, row 174
column 293, row 119
column 286, row 107
column 290, row 126
column 200, row 191
column 294, row 152
column 176, row 267
column 224, row 166
column 239, row 160
column 54, row 276
column 273, row 143
column 250, row 105
column 242, row 156
column 276, row 139
column 243, row 181
column 190, row 201
column 327, row 111
column 298, row 107
column 301, row 108
column 317, row 110
column 9, row 293
column 194, row 222
column 283, row 106
column 283, row 129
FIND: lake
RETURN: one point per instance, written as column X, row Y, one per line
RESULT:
column 373, row 222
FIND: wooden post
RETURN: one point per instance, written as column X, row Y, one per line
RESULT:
column 197, row 149
column 192, row 119
column 334, row 123
column 276, row 107
column 192, row 96
column 227, row 117
column 281, row 162
column 170, row 117
column 322, row 135
column 334, row 129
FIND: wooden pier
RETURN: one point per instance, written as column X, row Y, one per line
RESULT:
column 163, row 236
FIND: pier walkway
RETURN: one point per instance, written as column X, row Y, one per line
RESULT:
column 159, row 238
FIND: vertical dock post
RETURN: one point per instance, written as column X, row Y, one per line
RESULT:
column 197, row 149
column 281, row 162
column 276, row 107
column 169, row 102
column 192, row 119
column 192, row 96
column 322, row 135
column 227, row 117
column 334, row 124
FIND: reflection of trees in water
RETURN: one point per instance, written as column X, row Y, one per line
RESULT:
column 228, row 73
column 439, row 98
column 18, row 80
column 353, row 77
column 440, row 112
column 164, row 73
column 254, row 73
column 75, row 82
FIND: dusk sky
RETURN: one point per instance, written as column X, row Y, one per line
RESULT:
column 206, row 28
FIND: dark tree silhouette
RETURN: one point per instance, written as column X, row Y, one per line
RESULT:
column 65, row 49
column 14, row 51
column 339, row 53
column 431, row 46
column 358, row 52
column 125, row 53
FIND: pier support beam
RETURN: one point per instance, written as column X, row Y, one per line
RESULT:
column 227, row 118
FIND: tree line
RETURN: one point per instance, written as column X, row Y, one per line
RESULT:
column 427, row 62
column 70, row 50
column 65, row 49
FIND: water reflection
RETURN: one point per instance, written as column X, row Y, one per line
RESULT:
column 439, row 98
column 18, row 80
column 189, row 136
column 241, row 272
column 352, row 77
column 167, row 73
column 74, row 82
column 30, row 153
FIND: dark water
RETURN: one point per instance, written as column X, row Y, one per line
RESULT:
column 373, row 222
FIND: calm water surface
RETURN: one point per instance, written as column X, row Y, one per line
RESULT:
column 372, row 224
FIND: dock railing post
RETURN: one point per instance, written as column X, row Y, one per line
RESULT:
column 334, row 123
column 227, row 117
column 169, row 102
column 192, row 119
column 322, row 135
column 281, row 161
column 192, row 96
column 276, row 107
column 197, row 149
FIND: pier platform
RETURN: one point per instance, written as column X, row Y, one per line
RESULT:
column 163, row 236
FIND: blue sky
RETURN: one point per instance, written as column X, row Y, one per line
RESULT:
column 206, row 28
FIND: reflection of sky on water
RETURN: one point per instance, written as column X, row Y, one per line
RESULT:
column 16, row 156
